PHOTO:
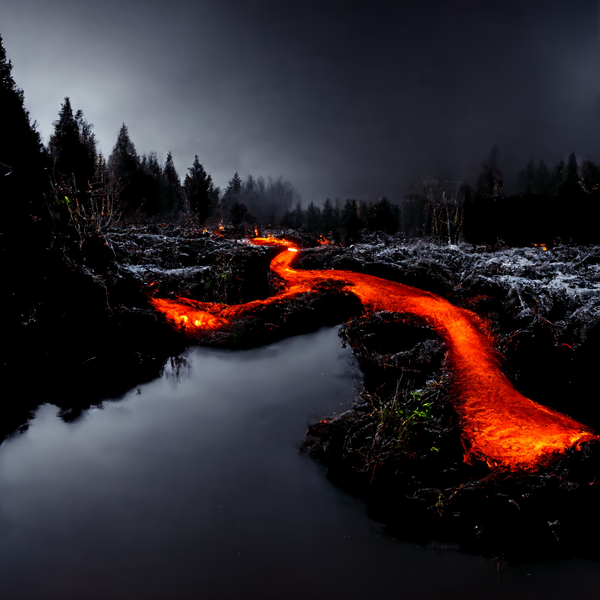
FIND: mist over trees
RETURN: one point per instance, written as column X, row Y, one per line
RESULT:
column 560, row 204
column 71, row 181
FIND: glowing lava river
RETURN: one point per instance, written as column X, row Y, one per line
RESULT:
column 499, row 425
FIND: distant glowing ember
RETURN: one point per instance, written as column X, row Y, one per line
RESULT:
column 500, row 426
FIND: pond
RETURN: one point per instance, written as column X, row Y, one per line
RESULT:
column 192, row 486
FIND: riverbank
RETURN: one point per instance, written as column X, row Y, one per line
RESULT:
column 93, row 334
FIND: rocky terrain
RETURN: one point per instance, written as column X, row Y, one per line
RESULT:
column 90, row 332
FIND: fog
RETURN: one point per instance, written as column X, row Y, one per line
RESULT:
column 343, row 99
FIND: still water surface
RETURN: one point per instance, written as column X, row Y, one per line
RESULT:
column 194, row 488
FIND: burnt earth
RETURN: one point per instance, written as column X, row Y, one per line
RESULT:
column 80, row 319
column 543, row 309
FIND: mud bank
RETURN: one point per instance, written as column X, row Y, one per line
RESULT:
column 86, row 327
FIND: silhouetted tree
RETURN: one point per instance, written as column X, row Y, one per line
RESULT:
column 527, row 176
column 173, row 183
column 313, row 218
column 239, row 214
column 293, row 218
column 328, row 217
column 233, row 193
column 590, row 176
column 72, row 147
column 489, row 183
column 268, row 199
column 123, row 162
column 543, row 181
column 199, row 190
column 381, row 217
column 21, row 151
column 151, row 189
column 436, row 207
column 234, row 186
column 570, row 172
column 351, row 223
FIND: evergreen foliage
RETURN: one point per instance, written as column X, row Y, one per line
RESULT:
column 200, row 191
column 22, row 161
column 381, row 217
column 20, row 145
column 72, row 146
column 123, row 162
column 558, row 204
column 174, row 196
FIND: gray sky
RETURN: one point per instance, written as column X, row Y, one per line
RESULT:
column 341, row 97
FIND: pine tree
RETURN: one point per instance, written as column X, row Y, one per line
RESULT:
column 571, row 170
column 590, row 176
column 234, row 193
column 328, row 219
column 20, row 144
column 313, row 217
column 352, row 223
column 22, row 161
column 489, row 183
column 171, row 179
column 234, row 186
column 381, row 217
column 72, row 146
column 526, row 177
column 123, row 161
column 542, row 179
column 199, row 190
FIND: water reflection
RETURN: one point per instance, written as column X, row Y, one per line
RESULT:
column 194, row 488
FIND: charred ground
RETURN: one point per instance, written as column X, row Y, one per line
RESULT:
column 85, row 326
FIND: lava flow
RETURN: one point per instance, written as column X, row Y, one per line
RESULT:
column 500, row 426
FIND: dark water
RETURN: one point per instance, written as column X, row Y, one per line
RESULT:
column 194, row 488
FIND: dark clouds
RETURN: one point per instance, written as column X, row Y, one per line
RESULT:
column 343, row 98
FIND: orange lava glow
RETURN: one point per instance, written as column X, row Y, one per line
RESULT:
column 500, row 426
column 185, row 314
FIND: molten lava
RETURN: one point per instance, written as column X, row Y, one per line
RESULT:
column 500, row 426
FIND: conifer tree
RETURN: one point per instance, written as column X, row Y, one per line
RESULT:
column 199, row 190
column 313, row 217
column 571, row 170
column 590, row 176
column 72, row 146
column 542, row 179
column 381, row 217
column 526, row 177
column 123, row 161
column 173, row 183
column 20, row 144
column 234, row 186
column 328, row 219
column 22, row 159
column 489, row 183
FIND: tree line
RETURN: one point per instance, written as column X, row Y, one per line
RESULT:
column 79, row 186
column 548, row 204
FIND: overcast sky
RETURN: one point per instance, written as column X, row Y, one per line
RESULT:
column 342, row 98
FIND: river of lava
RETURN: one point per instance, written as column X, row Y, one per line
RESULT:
column 500, row 425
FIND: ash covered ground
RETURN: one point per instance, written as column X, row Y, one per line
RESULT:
column 89, row 328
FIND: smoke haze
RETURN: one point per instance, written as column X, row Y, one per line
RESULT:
column 341, row 98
